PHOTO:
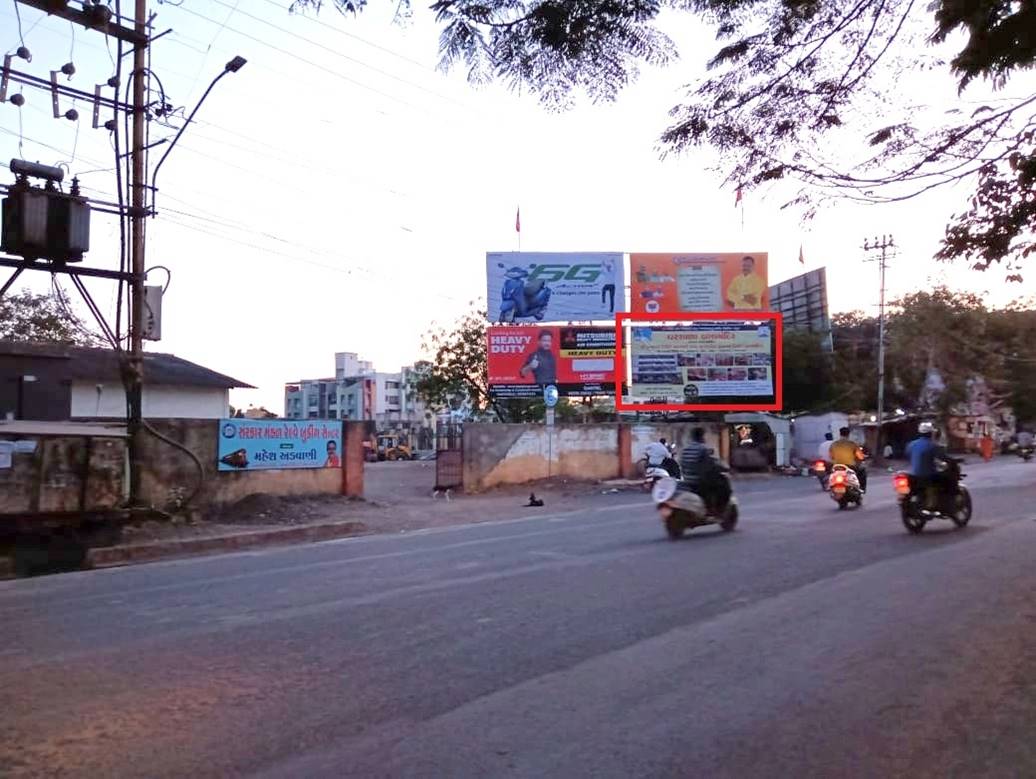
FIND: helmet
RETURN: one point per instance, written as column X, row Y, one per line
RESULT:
column 926, row 428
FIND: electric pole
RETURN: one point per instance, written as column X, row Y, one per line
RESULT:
column 883, row 245
column 138, row 217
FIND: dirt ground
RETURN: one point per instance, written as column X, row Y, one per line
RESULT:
column 398, row 498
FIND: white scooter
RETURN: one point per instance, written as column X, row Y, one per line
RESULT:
column 654, row 473
column 682, row 510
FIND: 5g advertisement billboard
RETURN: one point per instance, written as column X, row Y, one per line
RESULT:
column 530, row 287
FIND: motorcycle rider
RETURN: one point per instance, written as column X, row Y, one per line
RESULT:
column 659, row 456
column 923, row 453
column 702, row 472
column 847, row 452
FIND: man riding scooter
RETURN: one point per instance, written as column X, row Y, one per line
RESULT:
column 703, row 473
column 847, row 452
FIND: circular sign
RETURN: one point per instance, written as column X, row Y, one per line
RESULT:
column 229, row 430
column 550, row 395
column 652, row 306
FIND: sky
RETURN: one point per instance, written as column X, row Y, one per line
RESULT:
column 339, row 193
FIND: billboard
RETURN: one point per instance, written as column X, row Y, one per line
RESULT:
column 803, row 302
column 276, row 444
column 524, row 360
column 695, row 362
column 679, row 283
column 548, row 287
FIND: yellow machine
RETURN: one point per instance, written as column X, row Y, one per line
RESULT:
column 392, row 446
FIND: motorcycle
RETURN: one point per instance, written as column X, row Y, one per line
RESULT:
column 951, row 500
column 845, row 487
column 1025, row 452
column 682, row 510
column 820, row 470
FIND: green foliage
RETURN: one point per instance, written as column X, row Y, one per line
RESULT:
column 457, row 373
column 28, row 317
column 807, row 373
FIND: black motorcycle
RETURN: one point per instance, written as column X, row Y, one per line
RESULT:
column 944, row 498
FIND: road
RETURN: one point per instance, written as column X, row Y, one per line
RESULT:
column 808, row 643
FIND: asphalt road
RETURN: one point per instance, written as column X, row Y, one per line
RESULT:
column 808, row 643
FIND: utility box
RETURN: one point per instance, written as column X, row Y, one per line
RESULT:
column 45, row 224
column 152, row 313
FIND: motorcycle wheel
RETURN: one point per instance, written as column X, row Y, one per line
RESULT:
column 674, row 528
column 914, row 524
column 962, row 508
column 730, row 517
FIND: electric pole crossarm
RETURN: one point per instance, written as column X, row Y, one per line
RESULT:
column 99, row 20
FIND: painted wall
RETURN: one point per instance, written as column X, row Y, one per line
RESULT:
column 809, row 432
column 497, row 454
column 160, row 402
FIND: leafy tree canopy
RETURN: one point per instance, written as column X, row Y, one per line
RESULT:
column 813, row 91
column 45, row 318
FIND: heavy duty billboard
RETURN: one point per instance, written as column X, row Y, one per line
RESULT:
column 695, row 362
column 524, row 360
column 803, row 302
column 679, row 283
column 535, row 287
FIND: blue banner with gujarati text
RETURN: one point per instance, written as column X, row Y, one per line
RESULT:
column 265, row 444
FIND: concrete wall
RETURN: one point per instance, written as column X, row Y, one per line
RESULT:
column 160, row 402
column 171, row 475
column 497, row 454
column 50, row 478
column 64, row 474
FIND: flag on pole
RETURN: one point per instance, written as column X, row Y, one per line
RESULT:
column 802, row 259
column 518, row 220
column 737, row 198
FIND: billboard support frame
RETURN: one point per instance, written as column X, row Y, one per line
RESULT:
column 732, row 316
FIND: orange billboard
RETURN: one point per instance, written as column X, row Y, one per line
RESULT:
column 679, row 283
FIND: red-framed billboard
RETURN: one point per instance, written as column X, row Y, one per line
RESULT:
column 706, row 361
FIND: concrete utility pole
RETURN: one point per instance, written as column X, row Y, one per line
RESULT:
column 884, row 245
column 138, row 221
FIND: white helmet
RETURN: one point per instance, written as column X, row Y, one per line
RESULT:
column 926, row 428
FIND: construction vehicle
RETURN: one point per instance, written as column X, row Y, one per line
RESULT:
column 393, row 446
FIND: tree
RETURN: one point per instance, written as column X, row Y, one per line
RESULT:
column 807, row 373
column 788, row 76
column 25, row 317
column 458, row 373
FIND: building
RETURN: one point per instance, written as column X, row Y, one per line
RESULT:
column 51, row 382
column 359, row 392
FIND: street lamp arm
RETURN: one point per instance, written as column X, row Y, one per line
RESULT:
column 231, row 67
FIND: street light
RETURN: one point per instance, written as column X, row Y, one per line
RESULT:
column 231, row 67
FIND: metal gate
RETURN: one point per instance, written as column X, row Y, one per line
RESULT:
column 449, row 455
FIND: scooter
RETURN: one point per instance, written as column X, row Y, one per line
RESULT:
column 952, row 501
column 820, row 471
column 682, row 510
column 521, row 298
column 845, row 487
column 669, row 469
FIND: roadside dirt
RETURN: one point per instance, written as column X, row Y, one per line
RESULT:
column 398, row 499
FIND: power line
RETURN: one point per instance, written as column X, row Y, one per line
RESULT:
column 311, row 63
column 322, row 23
column 345, row 57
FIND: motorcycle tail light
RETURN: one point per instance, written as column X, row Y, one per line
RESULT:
column 902, row 484
column 839, row 478
column 819, row 467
